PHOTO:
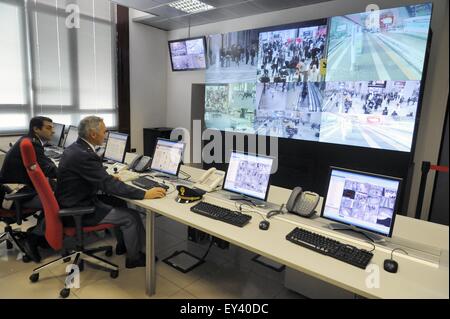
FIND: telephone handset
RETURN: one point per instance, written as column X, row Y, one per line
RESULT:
column 302, row 203
column 210, row 180
column 141, row 163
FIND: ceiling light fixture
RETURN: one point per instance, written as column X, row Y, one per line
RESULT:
column 190, row 6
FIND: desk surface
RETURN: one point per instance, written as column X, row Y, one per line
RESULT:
column 415, row 278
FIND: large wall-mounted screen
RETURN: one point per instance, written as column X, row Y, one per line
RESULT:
column 352, row 80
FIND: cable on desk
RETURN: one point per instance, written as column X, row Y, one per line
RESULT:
column 248, row 210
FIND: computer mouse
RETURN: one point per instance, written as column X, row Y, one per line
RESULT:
column 264, row 225
column 390, row 265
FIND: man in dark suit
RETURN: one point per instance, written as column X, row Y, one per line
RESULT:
column 81, row 175
column 13, row 172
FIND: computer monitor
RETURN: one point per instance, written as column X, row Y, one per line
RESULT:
column 71, row 137
column 248, row 175
column 115, row 147
column 362, row 200
column 59, row 132
column 167, row 156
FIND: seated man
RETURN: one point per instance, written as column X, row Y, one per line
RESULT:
column 81, row 175
column 13, row 172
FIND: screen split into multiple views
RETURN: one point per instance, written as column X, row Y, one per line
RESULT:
column 352, row 80
column 187, row 54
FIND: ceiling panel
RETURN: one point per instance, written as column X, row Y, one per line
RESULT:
column 165, row 11
column 168, row 18
column 246, row 9
column 219, row 14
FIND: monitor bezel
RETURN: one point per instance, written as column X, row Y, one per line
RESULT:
column 240, row 193
column 65, row 138
column 60, row 135
column 394, row 214
column 186, row 39
column 106, row 147
column 179, row 163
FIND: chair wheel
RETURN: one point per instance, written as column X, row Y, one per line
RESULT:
column 9, row 245
column 34, row 277
column 64, row 293
column 114, row 274
column 109, row 253
column 26, row 258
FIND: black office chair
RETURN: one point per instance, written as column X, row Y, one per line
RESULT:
column 15, row 215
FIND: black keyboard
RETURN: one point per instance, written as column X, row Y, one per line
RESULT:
column 52, row 154
column 330, row 247
column 221, row 213
column 147, row 183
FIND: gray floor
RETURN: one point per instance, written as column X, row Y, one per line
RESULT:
column 226, row 274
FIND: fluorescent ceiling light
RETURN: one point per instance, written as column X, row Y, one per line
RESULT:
column 190, row 6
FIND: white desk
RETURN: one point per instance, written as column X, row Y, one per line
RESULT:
column 415, row 279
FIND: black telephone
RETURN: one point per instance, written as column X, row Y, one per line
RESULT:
column 140, row 163
column 302, row 203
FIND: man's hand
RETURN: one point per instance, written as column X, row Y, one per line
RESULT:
column 155, row 192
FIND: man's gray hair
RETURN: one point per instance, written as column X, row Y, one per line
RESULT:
column 87, row 124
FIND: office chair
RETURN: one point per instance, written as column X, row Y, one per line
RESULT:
column 15, row 216
column 54, row 229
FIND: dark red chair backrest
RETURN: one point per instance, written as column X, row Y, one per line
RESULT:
column 53, row 224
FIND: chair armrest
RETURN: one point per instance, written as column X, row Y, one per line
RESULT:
column 29, row 194
column 76, row 211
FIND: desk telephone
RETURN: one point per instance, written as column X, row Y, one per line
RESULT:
column 210, row 180
column 302, row 203
column 140, row 163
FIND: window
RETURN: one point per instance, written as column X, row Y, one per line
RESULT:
column 48, row 67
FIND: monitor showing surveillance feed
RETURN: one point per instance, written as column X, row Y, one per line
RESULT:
column 364, row 200
column 115, row 147
column 248, row 175
column 167, row 156
column 72, row 136
column 59, row 132
column 188, row 54
column 354, row 80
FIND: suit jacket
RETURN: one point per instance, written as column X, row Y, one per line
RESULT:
column 13, row 170
column 81, row 175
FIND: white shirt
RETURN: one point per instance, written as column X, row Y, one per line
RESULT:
column 92, row 146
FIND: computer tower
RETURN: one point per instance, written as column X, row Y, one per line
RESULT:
column 151, row 135
column 197, row 236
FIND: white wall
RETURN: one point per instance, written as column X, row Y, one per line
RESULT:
column 435, row 97
column 148, row 78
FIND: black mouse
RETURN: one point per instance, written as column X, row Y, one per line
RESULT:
column 390, row 265
column 264, row 225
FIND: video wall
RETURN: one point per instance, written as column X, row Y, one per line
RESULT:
column 352, row 80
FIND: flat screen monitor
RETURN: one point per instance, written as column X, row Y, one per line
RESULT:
column 248, row 175
column 116, row 146
column 354, row 80
column 167, row 156
column 188, row 54
column 71, row 137
column 59, row 132
column 363, row 200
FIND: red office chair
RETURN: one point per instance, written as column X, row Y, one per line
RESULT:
column 15, row 216
column 54, row 229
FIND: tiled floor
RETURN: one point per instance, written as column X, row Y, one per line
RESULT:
column 226, row 273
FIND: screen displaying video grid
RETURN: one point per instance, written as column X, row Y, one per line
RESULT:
column 352, row 80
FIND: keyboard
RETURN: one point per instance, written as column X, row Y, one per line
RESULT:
column 330, row 247
column 147, row 183
column 52, row 154
column 221, row 213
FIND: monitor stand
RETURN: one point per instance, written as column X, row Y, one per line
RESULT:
column 372, row 237
column 253, row 201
